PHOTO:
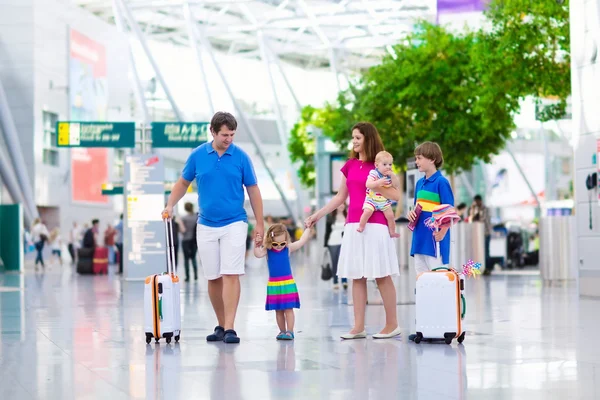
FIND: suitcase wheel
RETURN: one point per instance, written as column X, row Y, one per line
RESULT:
column 156, row 340
column 448, row 337
column 168, row 340
column 148, row 338
column 419, row 337
column 177, row 338
column 461, row 338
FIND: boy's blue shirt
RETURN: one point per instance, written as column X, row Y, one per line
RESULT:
column 431, row 192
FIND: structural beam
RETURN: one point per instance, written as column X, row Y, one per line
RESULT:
column 140, row 36
column 11, row 137
column 283, row 74
column 522, row 173
column 199, row 39
column 467, row 184
column 139, row 89
column 187, row 13
column 281, row 126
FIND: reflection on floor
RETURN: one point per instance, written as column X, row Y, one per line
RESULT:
column 64, row 336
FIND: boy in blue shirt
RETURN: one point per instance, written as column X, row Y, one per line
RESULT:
column 430, row 191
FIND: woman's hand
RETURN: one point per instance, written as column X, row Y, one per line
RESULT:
column 379, row 183
column 311, row 221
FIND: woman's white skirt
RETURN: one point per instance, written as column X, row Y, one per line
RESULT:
column 367, row 254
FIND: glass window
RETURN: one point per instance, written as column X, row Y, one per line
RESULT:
column 50, row 155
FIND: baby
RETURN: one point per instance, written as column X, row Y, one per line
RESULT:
column 374, row 201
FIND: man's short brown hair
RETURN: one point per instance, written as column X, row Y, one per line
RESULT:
column 222, row 118
column 431, row 151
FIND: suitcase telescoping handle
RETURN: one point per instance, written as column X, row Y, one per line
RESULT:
column 170, row 246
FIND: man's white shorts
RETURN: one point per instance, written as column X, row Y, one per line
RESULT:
column 222, row 250
column 425, row 263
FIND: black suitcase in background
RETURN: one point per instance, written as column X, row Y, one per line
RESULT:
column 85, row 263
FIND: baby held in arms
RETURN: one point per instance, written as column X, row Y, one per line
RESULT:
column 375, row 201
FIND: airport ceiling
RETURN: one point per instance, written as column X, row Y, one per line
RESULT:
column 351, row 34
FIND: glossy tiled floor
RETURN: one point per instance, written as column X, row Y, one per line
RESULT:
column 64, row 336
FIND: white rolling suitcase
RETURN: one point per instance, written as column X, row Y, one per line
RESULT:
column 162, row 310
column 440, row 303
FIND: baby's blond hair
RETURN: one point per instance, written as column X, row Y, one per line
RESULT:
column 382, row 156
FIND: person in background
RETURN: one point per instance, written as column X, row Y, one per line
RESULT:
column 188, row 241
column 461, row 210
column 55, row 244
column 40, row 234
column 334, row 230
column 74, row 242
column 109, row 241
column 480, row 213
column 90, row 238
column 119, row 242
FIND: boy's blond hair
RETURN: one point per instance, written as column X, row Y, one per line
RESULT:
column 383, row 155
column 274, row 231
column 431, row 151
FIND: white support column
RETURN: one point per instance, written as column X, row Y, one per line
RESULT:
column 139, row 89
column 199, row 39
column 140, row 36
column 281, row 127
column 11, row 137
column 187, row 13
column 12, row 185
column 467, row 185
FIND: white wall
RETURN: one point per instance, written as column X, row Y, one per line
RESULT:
column 34, row 51
column 16, row 69
column 585, row 36
column 53, row 21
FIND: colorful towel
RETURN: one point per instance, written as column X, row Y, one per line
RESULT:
column 442, row 216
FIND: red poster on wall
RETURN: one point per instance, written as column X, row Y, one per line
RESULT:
column 89, row 170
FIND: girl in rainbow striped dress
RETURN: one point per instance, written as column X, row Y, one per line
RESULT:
column 282, row 293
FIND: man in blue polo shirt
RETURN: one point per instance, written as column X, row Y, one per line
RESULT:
column 222, row 170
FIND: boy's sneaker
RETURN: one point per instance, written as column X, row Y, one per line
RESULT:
column 217, row 335
column 231, row 336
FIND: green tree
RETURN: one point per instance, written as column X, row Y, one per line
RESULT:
column 334, row 120
column 460, row 90
column 528, row 51
column 301, row 146
column 431, row 91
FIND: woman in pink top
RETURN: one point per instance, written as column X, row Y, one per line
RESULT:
column 371, row 253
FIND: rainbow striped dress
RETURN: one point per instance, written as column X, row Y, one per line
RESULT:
column 282, row 293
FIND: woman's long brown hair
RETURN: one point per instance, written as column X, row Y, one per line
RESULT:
column 372, row 143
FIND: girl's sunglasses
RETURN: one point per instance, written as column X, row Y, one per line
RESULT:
column 278, row 244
